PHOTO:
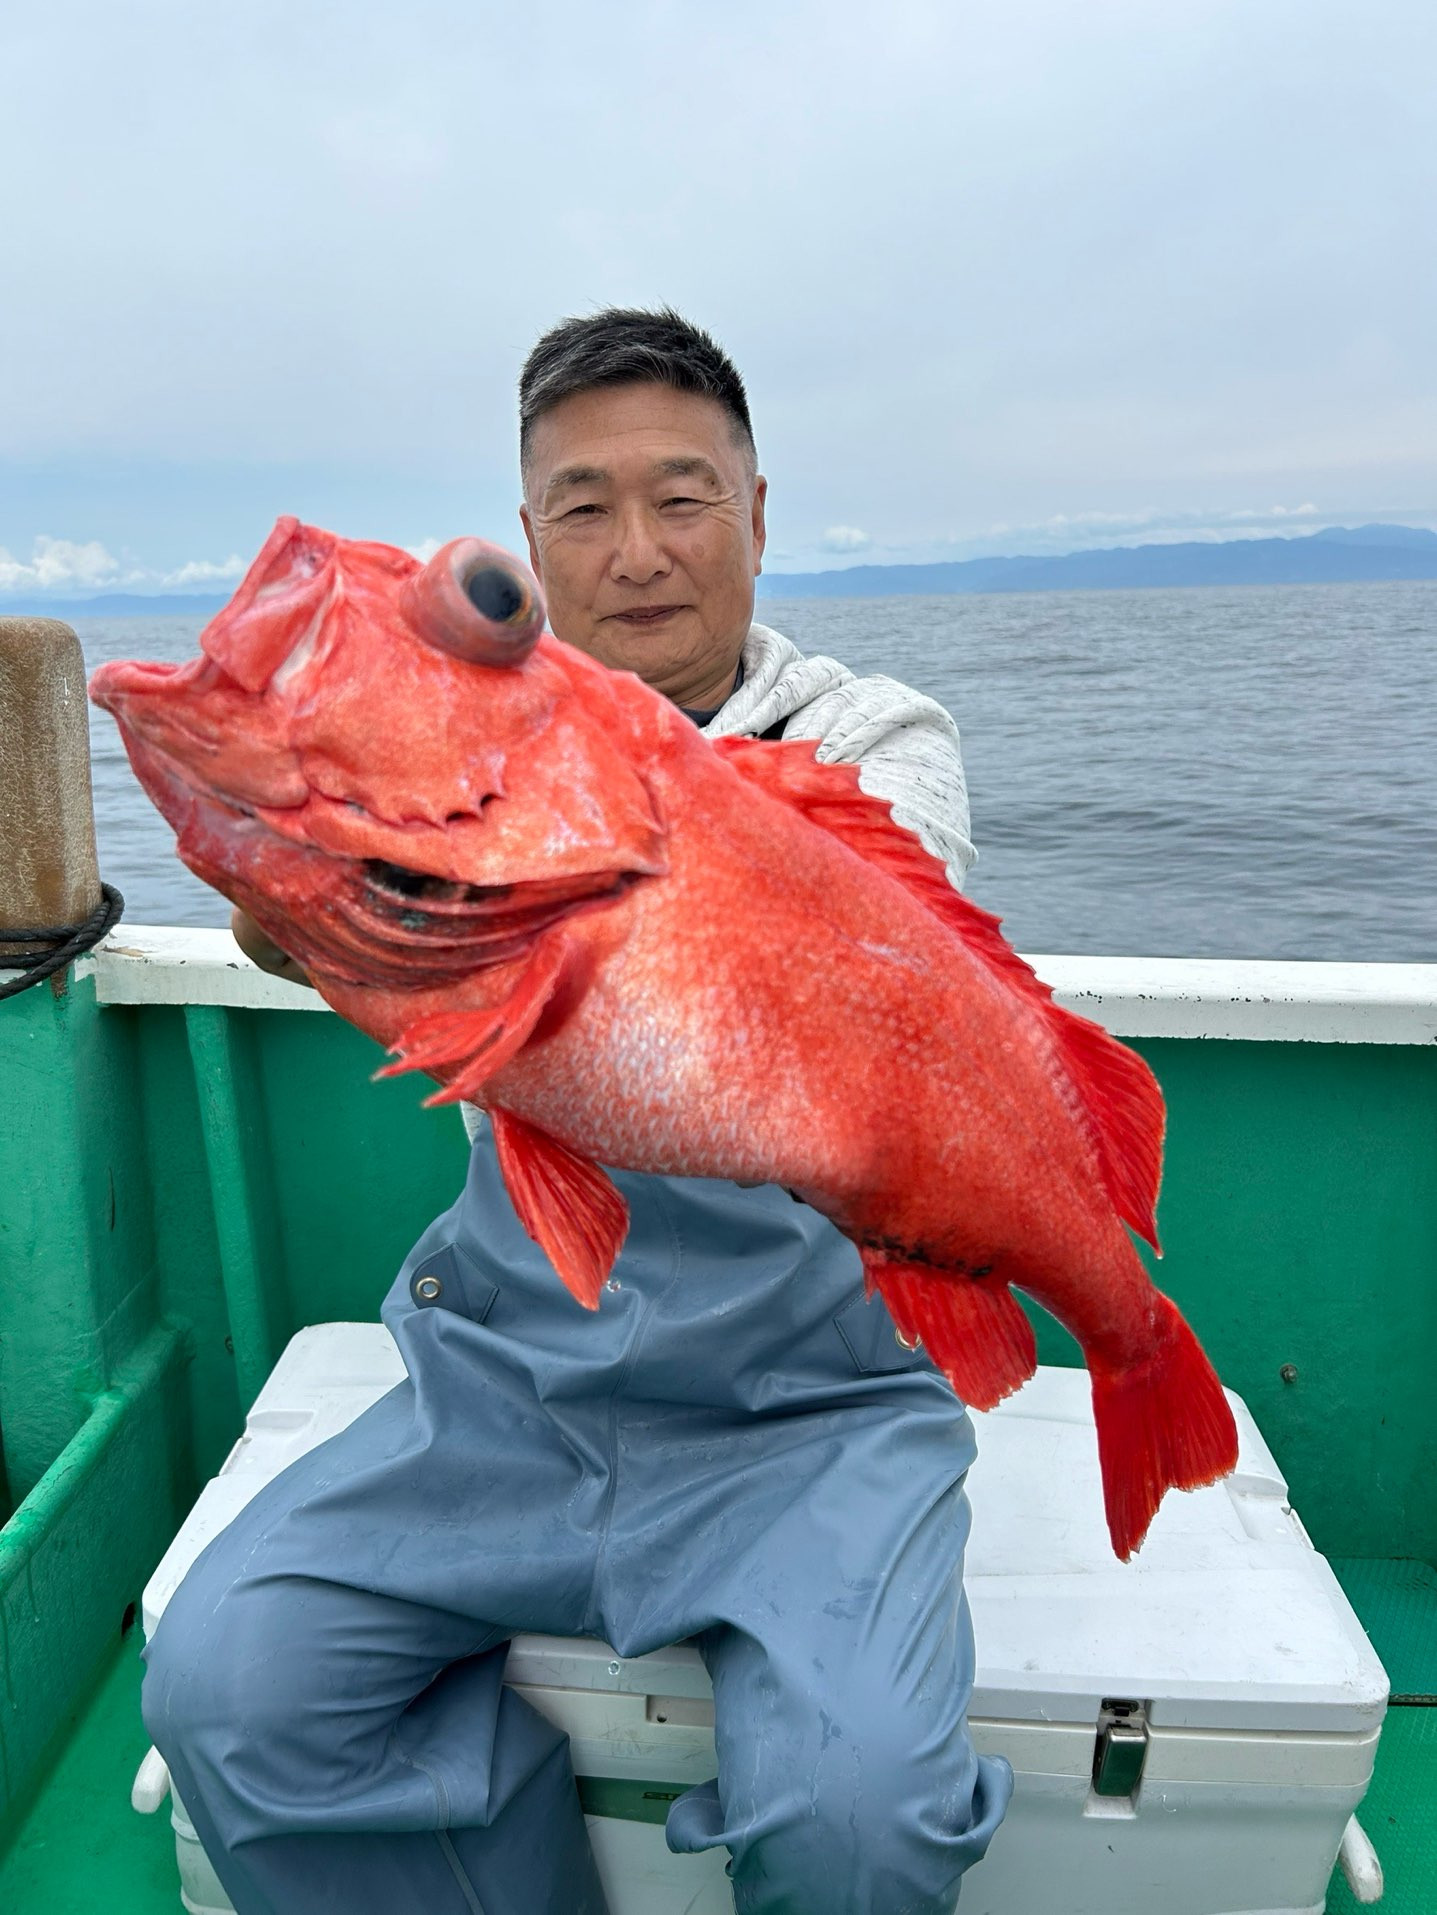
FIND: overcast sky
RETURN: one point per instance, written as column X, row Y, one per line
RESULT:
column 1002, row 275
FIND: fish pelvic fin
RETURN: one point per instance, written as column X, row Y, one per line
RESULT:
column 469, row 1047
column 974, row 1328
column 567, row 1204
column 1163, row 1423
column 1109, row 1090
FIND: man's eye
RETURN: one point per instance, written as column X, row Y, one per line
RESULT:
column 582, row 511
column 682, row 501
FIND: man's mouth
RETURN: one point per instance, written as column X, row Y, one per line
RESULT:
column 646, row 615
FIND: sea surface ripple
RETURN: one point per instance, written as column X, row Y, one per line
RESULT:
column 1209, row 772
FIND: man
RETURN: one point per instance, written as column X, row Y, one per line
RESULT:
column 736, row 1449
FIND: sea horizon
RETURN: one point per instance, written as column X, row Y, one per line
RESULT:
column 1237, row 773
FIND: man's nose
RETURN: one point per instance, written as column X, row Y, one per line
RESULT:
column 639, row 556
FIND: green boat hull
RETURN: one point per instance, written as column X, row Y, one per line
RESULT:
column 185, row 1184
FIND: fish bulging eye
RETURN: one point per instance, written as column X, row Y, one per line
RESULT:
column 496, row 593
column 477, row 603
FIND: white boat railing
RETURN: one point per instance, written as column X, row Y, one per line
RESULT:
column 1263, row 1000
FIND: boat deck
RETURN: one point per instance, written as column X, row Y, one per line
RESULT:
column 82, row 1848
column 152, row 1269
column 1397, row 1603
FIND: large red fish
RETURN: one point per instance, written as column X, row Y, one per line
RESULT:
column 534, row 878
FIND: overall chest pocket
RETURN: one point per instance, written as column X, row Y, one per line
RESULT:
column 872, row 1339
column 447, row 1277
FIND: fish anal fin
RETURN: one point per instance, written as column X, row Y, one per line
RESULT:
column 567, row 1204
column 1115, row 1097
column 974, row 1328
column 470, row 1047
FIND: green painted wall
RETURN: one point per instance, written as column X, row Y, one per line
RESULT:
column 152, row 1162
column 1299, row 1224
column 182, row 1189
column 1302, row 1212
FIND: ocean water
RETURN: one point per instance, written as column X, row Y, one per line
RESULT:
column 1222, row 773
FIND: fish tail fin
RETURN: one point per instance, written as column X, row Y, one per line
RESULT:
column 975, row 1330
column 1163, row 1423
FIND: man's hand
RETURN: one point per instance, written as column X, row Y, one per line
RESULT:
column 262, row 950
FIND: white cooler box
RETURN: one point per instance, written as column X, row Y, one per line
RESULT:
column 1190, row 1732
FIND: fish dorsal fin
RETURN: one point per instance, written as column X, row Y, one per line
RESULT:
column 1114, row 1095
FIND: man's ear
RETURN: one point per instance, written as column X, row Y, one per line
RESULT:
column 760, row 529
column 528, row 525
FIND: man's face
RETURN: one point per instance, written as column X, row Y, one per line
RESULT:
column 646, row 530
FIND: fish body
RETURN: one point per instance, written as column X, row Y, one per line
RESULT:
column 535, row 879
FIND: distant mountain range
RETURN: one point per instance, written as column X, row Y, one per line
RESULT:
column 1339, row 555
column 114, row 605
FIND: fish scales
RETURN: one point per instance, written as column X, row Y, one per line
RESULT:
column 534, row 879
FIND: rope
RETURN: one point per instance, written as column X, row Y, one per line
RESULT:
column 60, row 945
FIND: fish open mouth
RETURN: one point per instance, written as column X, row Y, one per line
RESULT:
column 483, row 920
column 368, row 920
column 422, row 886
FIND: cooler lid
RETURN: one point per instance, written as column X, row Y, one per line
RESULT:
column 1226, row 1618
column 582, row 1662
column 327, row 1375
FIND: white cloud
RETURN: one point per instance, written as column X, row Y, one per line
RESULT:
column 1078, row 530
column 1173, row 523
column 329, row 319
column 425, row 549
column 71, row 568
column 206, row 572
column 1084, row 531
column 844, row 538
column 59, row 565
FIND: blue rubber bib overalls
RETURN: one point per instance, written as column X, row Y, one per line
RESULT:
column 734, row 1448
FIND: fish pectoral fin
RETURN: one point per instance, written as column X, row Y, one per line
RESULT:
column 974, row 1328
column 477, row 1044
column 565, row 1202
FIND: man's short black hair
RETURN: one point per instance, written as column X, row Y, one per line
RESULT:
column 626, row 346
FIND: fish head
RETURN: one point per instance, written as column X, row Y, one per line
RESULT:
column 390, row 764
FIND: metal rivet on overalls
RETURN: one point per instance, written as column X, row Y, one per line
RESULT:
column 902, row 1341
column 429, row 1288
column 615, row 1668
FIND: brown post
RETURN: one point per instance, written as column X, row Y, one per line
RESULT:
column 48, row 871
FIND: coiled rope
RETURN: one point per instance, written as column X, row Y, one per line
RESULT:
column 57, row 947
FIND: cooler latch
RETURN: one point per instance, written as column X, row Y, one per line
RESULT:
column 1121, row 1747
